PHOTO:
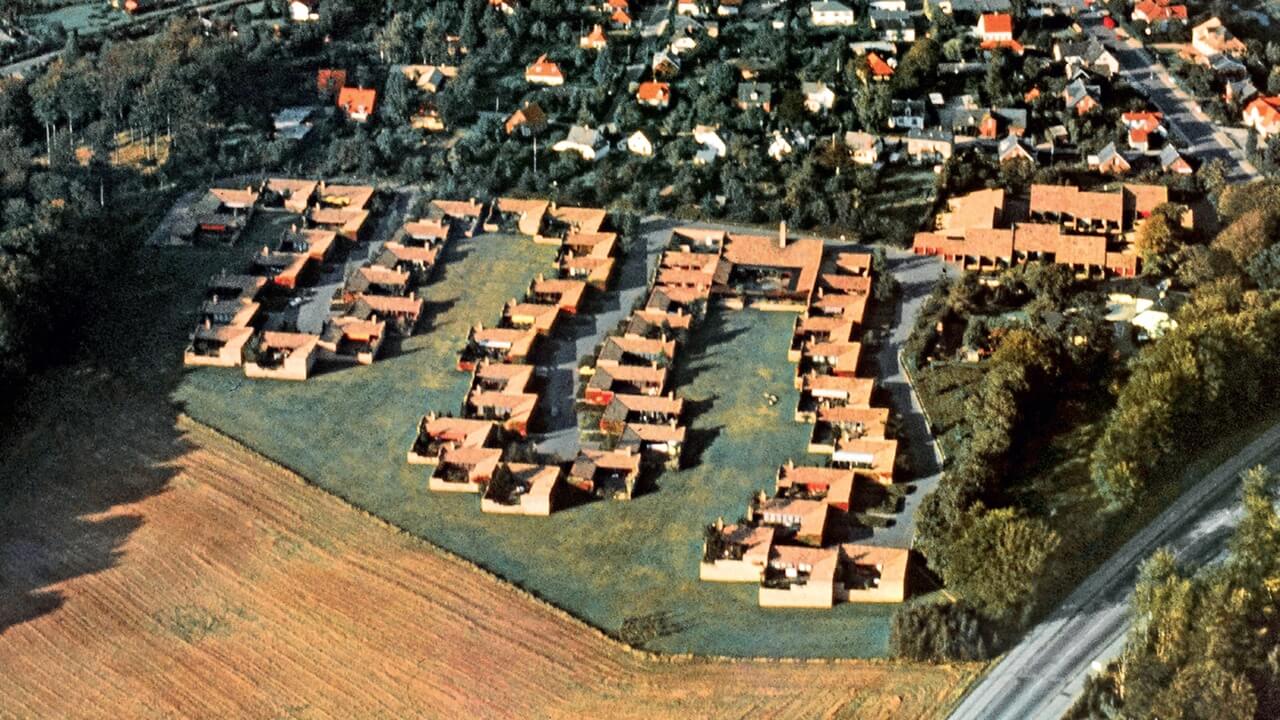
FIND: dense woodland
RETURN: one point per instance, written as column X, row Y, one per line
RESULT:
column 1216, row 371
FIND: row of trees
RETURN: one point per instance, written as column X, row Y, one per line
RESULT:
column 986, row 547
column 1202, row 646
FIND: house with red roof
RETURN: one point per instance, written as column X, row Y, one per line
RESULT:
column 357, row 103
column 594, row 40
column 1263, row 115
column 879, row 69
column 544, row 72
column 330, row 81
column 995, row 27
column 654, row 94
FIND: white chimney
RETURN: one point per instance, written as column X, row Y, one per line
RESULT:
column 782, row 234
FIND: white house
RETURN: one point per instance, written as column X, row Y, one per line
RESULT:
column 639, row 144
column 586, row 142
column 817, row 97
column 303, row 11
column 828, row 13
column 780, row 147
column 864, row 147
column 712, row 145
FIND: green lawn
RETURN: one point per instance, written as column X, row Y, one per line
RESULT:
column 348, row 430
column 943, row 388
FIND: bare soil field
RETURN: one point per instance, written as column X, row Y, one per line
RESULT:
column 190, row 577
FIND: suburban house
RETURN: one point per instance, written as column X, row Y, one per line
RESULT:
column 818, row 97
column 638, row 143
column 1089, row 55
column 830, row 14
column 357, row 103
column 522, row 489
column 1081, row 97
column 735, row 553
column 464, row 469
column 1110, row 160
column 544, row 72
column 664, row 65
column 929, row 146
column 659, row 443
column 879, row 69
column 438, row 433
column 848, row 422
column 606, row 473
column 712, row 145
column 865, row 148
column 755, row 95
column 528, row 120
column 1171, row 161
column 794, row 519
column 1159, row 13
column 654, row 94
column 329, row 81
column 833, row 486
column 1263, row 115
column 594, row 40
column 640, row 409
column 217, row 345
column 1141, row 125
column 587, row 143
column 893, row 26
column 1013, row 148
column 1211, row 38
column 995, row 27
column 280, row 356
column 906, row 114
column 800, row 577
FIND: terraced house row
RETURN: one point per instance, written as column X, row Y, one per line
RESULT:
column 1091, row 232
column 475, row 451
column 789, row 543
column 245, row 320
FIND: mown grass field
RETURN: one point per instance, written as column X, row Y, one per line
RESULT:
column 604, row 562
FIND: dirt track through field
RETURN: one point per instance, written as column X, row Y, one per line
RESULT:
column 240, row 591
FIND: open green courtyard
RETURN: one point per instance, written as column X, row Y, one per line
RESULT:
column 348, row 430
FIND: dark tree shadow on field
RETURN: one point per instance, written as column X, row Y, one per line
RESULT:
column 94, row 436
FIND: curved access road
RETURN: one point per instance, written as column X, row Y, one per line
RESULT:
column 1041, row 677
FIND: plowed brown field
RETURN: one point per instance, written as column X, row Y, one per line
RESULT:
column 230, row 588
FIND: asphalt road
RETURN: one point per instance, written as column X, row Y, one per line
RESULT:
column 1044, row 674
column 1199, row 136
